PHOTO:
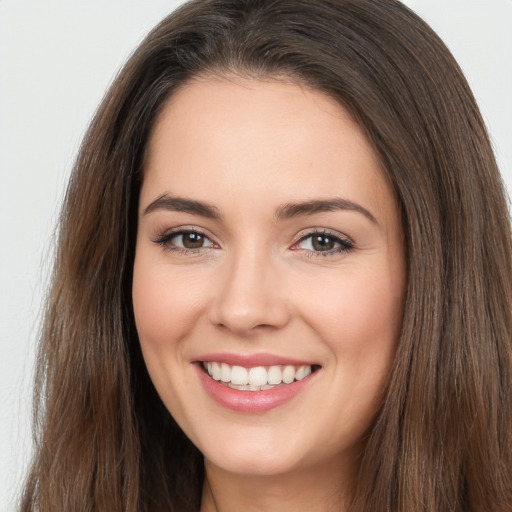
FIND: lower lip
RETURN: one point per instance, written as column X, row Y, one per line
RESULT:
column 252, row 401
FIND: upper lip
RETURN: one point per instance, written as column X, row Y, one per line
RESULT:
column 251, row 360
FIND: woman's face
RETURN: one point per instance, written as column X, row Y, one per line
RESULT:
column 269, row 246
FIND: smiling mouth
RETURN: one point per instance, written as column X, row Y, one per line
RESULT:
column 258, row 378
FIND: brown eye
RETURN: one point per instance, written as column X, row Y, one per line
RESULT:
column 188, row 240
column 192, row 240
column 322, row 243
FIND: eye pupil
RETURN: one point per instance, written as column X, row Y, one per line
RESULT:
column 322, row 243
column 193, row 240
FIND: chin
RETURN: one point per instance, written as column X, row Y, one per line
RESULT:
column 243, row 464
column 258, row 457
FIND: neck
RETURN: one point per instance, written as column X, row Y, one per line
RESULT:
column 316, row 489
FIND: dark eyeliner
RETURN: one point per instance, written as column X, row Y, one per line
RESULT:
column 165, row 238
column 346, row 244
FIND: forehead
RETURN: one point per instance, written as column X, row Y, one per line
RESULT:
column 242, row 141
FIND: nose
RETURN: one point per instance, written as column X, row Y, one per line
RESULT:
column 251, row 296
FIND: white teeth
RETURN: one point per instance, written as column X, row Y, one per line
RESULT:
column 216, row 373
column 275, row 376
column 225, row 372
column 246, row 387
column 288, row 374
column 302, row 372
column 239, row 375
column 257, row 378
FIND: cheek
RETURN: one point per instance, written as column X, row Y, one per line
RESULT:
column 165, row 304
column 166, row 310
column 359, row 319
column 357, row 306
column 153, row 313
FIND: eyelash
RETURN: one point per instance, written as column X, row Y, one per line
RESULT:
column 165, row 241
column 345, row 243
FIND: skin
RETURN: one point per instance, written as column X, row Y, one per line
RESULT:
column 257, row 284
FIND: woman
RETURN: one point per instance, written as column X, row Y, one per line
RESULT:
column 283, row 276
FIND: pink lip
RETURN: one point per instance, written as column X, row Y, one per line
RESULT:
column 251, row 401
column 251, row 360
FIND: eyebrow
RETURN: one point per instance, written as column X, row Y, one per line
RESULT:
column 291, row 210
column 180, row 204
column 283, row 212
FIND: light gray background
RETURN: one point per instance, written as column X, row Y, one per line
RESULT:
column 56, row 61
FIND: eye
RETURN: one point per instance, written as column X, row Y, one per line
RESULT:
column 190, row 240
column 184, row 240
column 323, row 242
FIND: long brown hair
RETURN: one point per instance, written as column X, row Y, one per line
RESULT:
column 442, row 439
